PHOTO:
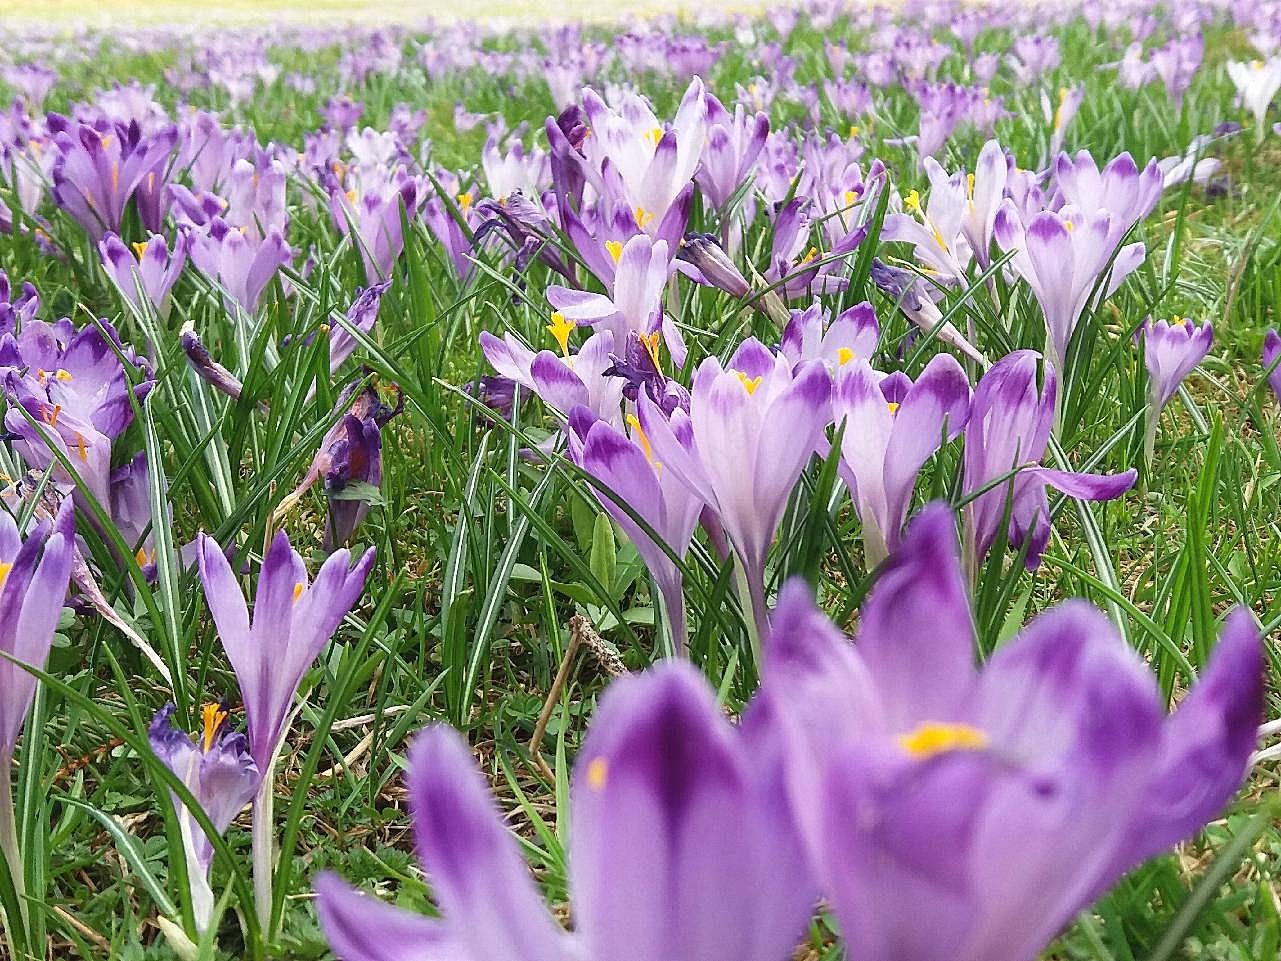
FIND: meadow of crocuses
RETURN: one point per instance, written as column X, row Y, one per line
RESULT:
column 735, row 489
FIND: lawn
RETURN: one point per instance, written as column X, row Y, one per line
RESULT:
column 573, row 394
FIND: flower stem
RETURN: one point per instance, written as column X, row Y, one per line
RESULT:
column 9, row 847
column 264, row 836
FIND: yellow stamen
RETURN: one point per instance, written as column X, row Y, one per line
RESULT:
column 615, row 249
column 63, row 375
column 850, row 197
column 639, row 434
column 464, row 201
column 139, row 249
column 297, row 591
column 938, row 238
column 650, row 343
column 853, row 130
column 843, row 356
column 560, row 328
column 351, row 196
column 212, row 715
column 115, row 176
column 1058, row 113
column 4, row 573
column 643, row 217
column 931, row 737
column 913, row 201
column 1069, row 225
column 80, row 448
column 893, row 407
column 50, row 417
column 141, row 557
column 969, row 187
column 42, row 375
column 654, row 135
column 809, row 255
column 749, row 383
column 1178, row 321
column 597, row 772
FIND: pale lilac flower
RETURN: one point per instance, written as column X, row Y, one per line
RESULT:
column 970, row 813
column 680, row 847
column 148, row 272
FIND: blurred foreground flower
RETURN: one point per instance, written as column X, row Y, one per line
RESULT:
column 681, row 848
column 996, row 802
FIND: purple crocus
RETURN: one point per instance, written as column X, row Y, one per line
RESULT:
column 567, row 380
column 34, row 572
column 729, row 155
column 35, row 569
column 680, row 848
column 148, row 272
column 222, row 777
column 373, row 218
column 76, row 398
column 754, row 425
column 1063, row 256
column 1120, row 188
column 627, row 467
column 1272, row 360
column 1170, row 350
column 971, row 813
column 97, row 172
column 892, row 426
column 292, row 621
column 851, row 336
column 238, row 263
column 1009, row 429
column 635, row 302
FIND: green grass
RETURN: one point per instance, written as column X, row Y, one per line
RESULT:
column 483, row 557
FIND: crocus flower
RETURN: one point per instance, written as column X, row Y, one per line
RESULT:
column 34, row 572
column 562, row 381
column 1009, row 428
column 362, row 314
column 97, row 172
column 239, row 265
column 148, row 272
column 679, row 849
column 995, row 802
column 984, row 189
column 627, row 466
column 754, row 425
column 373, row 218
column 1063, row 256
column 1170, row 351
column 222, row 777
column 729, row 156
column 653, row 163
column 810, row 336
column 1257, row 83
column 635, row 303
column 892, row 426
column 76, row 398
column 1120, row 188
column 1271, row 356
column 1064, row 111
column 937, row 236
column 292, row 622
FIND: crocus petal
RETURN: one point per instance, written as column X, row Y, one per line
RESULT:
column 484, row 888
column 361, row 928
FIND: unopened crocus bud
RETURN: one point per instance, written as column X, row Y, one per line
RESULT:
column 705, row 253
column 208, row 369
